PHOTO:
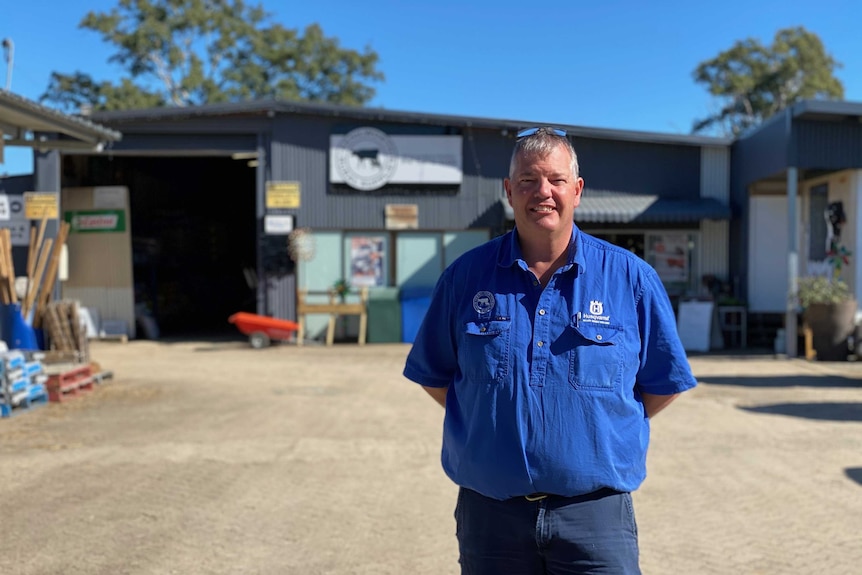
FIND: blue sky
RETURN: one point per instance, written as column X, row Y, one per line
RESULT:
column 610, row 64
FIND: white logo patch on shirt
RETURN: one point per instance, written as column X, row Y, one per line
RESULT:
column 483, row 303
column 597, row 308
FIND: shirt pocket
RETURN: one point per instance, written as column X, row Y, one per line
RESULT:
column 596, row 359
column 486, row 350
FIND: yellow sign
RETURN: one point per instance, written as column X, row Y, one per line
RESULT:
column 282, row 195
column 38, row 205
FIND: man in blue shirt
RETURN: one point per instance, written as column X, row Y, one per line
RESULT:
column 551, row 351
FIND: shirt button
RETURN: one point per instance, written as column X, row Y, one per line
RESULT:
column 540, row 344
column 599, row 337
column 484, row 329
column 541, row 312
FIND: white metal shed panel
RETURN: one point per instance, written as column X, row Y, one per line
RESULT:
column 767, row 248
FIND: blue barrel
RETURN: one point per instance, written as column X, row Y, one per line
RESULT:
column 415, row 302
column 17, row 333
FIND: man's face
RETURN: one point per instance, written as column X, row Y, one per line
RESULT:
column 544, row 193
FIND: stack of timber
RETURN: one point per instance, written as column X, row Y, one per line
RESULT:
column 42, row 264
column 8, row 294
column 66, row 334
column 35, row 290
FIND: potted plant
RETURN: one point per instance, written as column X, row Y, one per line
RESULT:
column 341, row 288
column 829, row 309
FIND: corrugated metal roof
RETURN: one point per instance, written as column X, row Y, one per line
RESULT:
column 619, row 208
column 260, row 107
column 824, row 110
column 836, row 108
column 18, row 115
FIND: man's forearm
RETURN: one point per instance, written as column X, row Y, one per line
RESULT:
column 438, row 393
column 655, row 403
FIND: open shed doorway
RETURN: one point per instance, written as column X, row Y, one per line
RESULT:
column 194, row 230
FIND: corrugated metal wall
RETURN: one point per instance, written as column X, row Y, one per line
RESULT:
column 280, row 296
column 300, row 152
column 672, row 171
column 715, row 183
column 761, row 155
column 715, row 173
column 714, row 249
column 16, row 185
column 46, row 178
column 828, row 145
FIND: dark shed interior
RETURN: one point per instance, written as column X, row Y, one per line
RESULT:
column 194, row 229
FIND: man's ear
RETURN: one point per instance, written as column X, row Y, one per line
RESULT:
column 580, row 187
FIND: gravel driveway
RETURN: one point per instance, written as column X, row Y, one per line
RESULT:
column 211, row 457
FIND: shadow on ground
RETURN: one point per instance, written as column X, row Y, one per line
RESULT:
column 854, row 473
column 209, row 340
column 784, row 381
column 828, row 411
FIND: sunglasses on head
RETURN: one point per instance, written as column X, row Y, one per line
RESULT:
column 545, row 130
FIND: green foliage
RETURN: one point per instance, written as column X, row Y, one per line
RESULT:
column 752, row 82
column 820, row 289
column 189, row 52
column 341, row 288
column 79, row 91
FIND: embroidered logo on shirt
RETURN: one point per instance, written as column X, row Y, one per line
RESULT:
column 483, row 303
column 597, row 308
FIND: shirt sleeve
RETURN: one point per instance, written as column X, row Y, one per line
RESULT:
column 433, row 360
column 664, row 367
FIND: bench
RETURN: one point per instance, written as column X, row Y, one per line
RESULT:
column 333, row 308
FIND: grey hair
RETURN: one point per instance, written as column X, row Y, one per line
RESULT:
column 541, row 144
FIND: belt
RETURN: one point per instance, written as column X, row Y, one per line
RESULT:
column 604, row 491
column 536, row 496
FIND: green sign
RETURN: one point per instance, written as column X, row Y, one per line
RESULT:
column 96, row 221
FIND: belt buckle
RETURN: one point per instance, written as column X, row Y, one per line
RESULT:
column 536, row 497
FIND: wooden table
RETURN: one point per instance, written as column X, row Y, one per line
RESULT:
column 334, row 308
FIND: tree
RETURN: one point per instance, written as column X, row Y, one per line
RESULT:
column 752, row 82
column 189, row 52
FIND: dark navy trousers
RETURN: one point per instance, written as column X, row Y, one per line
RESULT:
column 593, row 533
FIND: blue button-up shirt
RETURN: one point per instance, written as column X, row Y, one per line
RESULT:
column 545, row 383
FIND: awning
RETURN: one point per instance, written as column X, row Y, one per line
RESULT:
column 609, row 207
column 21, row 119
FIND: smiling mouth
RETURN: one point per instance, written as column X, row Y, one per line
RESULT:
column 543, row 209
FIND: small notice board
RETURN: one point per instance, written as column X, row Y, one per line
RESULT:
column 694, row 324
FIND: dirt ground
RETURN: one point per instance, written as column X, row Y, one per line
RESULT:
column 211, row 457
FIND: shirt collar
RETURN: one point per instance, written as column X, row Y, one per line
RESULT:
column 510, row 251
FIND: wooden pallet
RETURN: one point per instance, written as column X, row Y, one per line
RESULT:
column 100, row 376
column 35, row 399
column 69, row 383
